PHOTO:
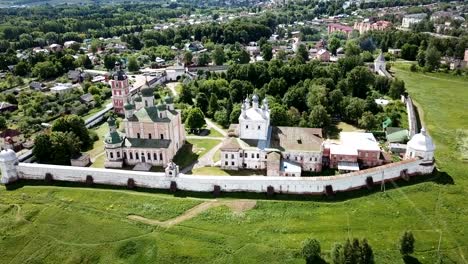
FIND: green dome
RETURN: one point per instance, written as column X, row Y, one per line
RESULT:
column 168, row 99
column 138, row 98
column 147, row 92
column 161, row 107
column 111, row 121
column 113, row 138
column 129, row 106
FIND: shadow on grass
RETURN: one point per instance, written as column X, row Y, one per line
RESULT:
column 411, row 260
column 436, row 177
column 185, row 156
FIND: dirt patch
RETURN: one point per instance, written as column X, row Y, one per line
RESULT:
column 237, row 206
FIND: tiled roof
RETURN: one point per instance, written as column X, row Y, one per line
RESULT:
column 151, row 114
column 296, row 138
column 230, row 144
column 147, row 143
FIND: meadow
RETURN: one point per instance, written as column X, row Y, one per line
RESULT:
column 55, row 224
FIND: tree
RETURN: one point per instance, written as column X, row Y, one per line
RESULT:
column 367, row 254
column 86, row 62
column 334, row 44
column 432, row 58
column 352, row 49
column 348, row 251
column 235, row 113
column 319, row 117
column 212, row 105
column 222, row 117
column 266, row 51
column 218, row 55
column 202, row 102
column 337, row 254
column 382, row 84
column 3, row 123
column 188, row 57
column 56, row 147
column 195, row 119
column 409, row 51
column 133, row 64
column 302, row 53
column 203, row 59
column 42, row 147
column 44, row 70
column 109, row 61
column 75, row 124
column 68, row 62
column 22, row 68
column 407, row 243
column 397, row 88
column 244, row 56
column 311, row 250
column 421, row 56
column 359, row 79
column 281, row 55
column 279, row 115
column 367, row 121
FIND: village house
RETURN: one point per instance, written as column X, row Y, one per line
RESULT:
column 347, row 30
column 7, row 107
column 411, row 19
column 323, row 55
column 367, row 25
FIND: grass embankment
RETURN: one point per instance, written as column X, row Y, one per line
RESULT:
column 52, row 229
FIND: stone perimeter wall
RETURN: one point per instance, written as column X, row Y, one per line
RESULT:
column 297, row 185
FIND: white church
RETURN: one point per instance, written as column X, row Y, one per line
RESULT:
column 255, row 144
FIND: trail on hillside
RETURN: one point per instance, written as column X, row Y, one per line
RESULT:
column 237, row 206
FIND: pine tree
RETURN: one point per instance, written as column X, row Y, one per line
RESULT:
column 212, row 105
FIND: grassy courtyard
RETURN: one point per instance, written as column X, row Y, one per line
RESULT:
column 40, row 224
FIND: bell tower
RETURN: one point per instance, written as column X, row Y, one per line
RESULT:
column 120, row 89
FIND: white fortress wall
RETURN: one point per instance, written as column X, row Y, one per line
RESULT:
column 227, row 183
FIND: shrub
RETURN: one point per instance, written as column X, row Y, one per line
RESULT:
column 413, row 68
column 89, row 180
column 127, row 250
column 270, row 191
column 216, row 191
column 130, row 184
column 173, row 187
column 311, row 250
column 48, row 178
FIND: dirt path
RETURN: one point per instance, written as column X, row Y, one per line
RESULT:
column 237, row 206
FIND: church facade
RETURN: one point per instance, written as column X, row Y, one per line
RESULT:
column 153, row 133
column 255, row 144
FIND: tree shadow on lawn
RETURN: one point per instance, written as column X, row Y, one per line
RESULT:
column 411, row 260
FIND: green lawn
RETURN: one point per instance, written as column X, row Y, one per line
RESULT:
column 78, row 225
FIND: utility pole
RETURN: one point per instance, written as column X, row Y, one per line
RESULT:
column 440, row 240
column 382, row 186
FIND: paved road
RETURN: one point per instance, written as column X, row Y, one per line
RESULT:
column 172, row 86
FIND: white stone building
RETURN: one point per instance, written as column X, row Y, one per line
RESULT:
column 153, row 133
column 281, row 151
column 411, row 19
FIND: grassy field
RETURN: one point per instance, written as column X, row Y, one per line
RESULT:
column 41, row 224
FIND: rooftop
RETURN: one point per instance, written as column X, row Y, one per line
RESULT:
column 360, row 140
column 296, row 138
column 146, row 143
